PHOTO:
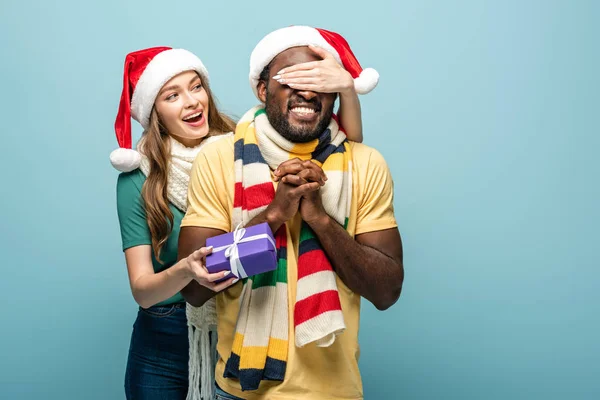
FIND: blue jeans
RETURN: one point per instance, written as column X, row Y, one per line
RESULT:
column 157, row 366
column 221, row 395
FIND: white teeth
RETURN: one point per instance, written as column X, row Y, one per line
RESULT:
column 193, row 116
column 303, row 110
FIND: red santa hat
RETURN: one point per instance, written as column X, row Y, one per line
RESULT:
column 146, row 72
column 275, row 42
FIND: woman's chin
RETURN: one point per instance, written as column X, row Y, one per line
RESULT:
column 191, row 139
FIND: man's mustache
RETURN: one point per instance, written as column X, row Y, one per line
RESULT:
column 300, row 102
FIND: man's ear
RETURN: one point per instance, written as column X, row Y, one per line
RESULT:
column 262, row 91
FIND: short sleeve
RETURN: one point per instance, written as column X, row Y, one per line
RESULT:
column 131, row 211
column 376, row 200
column 209, row 201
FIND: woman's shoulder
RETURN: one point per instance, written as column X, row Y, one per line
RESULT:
column 131, row 181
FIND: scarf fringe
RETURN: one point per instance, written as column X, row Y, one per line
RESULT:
column 203, row 351
column 203, row 357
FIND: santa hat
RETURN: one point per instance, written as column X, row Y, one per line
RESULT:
column 146, row 72
column 275, row 42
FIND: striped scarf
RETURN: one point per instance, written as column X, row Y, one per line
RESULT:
column 260, row 345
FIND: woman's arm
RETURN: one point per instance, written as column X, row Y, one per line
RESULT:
column 350, row 116
column 149, row 288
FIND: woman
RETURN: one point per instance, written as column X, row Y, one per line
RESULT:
column 167, row 91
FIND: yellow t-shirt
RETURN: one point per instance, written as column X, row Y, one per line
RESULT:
column 312, row 372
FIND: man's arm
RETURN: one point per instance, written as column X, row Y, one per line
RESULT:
column 208, row 214
column 370, row 265
column 190, row 239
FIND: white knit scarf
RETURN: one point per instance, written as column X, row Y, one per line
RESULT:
column 180, row 166
column 201, row 320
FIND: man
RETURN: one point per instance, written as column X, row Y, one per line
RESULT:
column 293, row 333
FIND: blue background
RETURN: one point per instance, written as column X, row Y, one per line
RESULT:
column 485, row 113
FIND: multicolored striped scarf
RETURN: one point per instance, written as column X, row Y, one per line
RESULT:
column 260, row 345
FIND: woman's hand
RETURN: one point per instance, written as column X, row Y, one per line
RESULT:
column 196, row 266
column 324, row 76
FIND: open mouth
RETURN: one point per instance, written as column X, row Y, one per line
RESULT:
column 195, row 119
column 305, row 112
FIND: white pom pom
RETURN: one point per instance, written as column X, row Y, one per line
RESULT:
column 125, row 160
column 366, row 81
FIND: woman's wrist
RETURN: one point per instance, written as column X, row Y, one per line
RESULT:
column 181, row 269
column 348, row 91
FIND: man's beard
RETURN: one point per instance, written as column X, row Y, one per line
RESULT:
column 300, row 133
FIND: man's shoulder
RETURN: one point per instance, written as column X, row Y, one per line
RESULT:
column 365, row 155
column 217, row 153
column 219, row 144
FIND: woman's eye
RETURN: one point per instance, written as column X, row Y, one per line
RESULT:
column 198, row 87
column 171, row 97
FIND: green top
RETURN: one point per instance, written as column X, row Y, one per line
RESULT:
column 134, row 228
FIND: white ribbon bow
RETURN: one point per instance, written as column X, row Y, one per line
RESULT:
column 232, row 251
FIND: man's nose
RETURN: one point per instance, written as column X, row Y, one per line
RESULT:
column 307, row 94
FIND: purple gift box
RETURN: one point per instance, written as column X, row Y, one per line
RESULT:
column 255, row 248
